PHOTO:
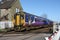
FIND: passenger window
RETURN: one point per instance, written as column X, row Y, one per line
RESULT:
column 44, row 20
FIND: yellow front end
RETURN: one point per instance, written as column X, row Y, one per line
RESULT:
column 19, row 22
column 23, row 20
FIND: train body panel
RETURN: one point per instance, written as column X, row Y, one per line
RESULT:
column 17, row 19
column 29, row 18
column 40, row 19
column 35, row 20
column 37, row 24
column 40, row 22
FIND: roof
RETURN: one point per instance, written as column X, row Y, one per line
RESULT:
column 39, row 17
column 5, row 4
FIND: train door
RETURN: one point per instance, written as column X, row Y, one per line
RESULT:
column 29, row 18
column 26, row 19
column 32, row 19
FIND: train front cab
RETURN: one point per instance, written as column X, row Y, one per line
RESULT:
column 19, row 21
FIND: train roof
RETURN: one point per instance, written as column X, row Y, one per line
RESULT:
column 39, row 17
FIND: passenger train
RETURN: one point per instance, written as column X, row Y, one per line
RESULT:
column 29, row 21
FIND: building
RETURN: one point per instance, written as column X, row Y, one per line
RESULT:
column 8, row 8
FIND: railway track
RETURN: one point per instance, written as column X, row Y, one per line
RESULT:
column 27, row 35
column 36, row 31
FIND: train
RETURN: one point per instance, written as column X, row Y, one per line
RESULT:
column 27, row 21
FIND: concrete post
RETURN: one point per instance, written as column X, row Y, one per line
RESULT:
column 54, row 27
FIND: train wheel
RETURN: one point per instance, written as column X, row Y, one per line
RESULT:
column 17, row 28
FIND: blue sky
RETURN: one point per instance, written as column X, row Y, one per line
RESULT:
column 40, row 7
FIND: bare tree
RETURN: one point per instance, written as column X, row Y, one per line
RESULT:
column 44, row 15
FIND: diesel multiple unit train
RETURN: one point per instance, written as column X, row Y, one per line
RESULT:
column 29, row 21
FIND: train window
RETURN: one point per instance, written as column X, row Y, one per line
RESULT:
column 35, row 19
column 26, row 18
column 32, row 18
column 22, row 16
column 44, row 20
